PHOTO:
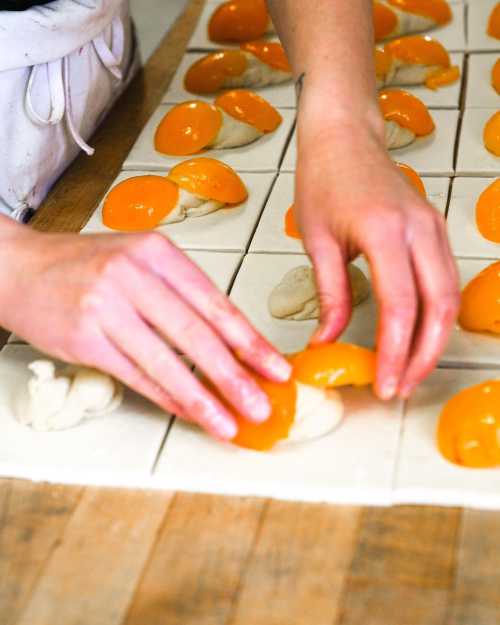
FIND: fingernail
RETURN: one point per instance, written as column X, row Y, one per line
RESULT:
column 227, row 429
column 259, row 408
column 279, row 367
column 388, row 390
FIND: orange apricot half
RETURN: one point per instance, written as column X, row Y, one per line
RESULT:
column 209, row 74
column 468, row 432
column 239, row 21
column 188, row 128
column 493, row 29
column 491, row 134
column 251, row 108
column 210, row 179
column 270, row 53
column 406, row 110
column 437, row 10
column 385, row 21
column 139, row 203
column 334, row 364
column 480, row 306
column 488, row 212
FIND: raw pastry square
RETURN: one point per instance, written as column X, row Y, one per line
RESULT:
column 200, row 40
column 423, row 475
column 270, row 235
column 448, row 96
column 258, row 276
column 347, row 466
column 479, row 12
column 480, row 92
column 263, row 155
column 471, row 349
column 280, row 96
column 465, row 238
column 429, row 156
column 118, row 449
column 228, row 229
column 473, row 158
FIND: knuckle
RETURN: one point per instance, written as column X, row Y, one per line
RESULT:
column 151, row 243
column 387, row 223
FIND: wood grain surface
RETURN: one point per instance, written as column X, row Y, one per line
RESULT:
column 87, row 556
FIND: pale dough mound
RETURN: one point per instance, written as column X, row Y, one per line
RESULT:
column 295, row 297
column 58, row 400
column 318, row 411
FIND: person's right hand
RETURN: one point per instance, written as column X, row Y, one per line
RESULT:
column 121, row 304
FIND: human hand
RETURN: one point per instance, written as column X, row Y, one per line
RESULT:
column 121, row 304
column 351, row 199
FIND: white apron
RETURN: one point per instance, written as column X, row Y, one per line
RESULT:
column 62, row 66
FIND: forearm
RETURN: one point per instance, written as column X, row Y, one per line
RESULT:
column 331, row 43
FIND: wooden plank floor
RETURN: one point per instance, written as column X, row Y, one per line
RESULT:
column 89, row 556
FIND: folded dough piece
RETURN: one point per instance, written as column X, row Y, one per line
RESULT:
column 393, row 18
column 295, row 297
column 55, row 400
column 257, row 64
column 406, row 118
column 317, row 412
column 414, row 60
column 192, row 188
column 235, row 119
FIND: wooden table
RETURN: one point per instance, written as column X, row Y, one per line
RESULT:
column 92, row 556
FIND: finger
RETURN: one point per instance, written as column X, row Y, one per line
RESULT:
column 176, row 321
column 107, row 357
column 194, row 286
column 155, row 359
column 395, row 289
column 438, row 286
column 332, row 281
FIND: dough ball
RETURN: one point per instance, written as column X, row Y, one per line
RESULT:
column 57, row 400
column 295, row 297
column 318, row 412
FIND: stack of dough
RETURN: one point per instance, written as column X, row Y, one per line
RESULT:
column 58, row 400
column 295, row 297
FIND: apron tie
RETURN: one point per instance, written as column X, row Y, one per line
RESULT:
column 59, row 83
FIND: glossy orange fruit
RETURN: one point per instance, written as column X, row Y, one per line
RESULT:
column 238, row 21
column 468, row 432
column 385, row 21
column 495, row 76
column 334, row 364
column 406, row 110
column 291, row 228
column 488, row 212
column 493, row 29
column 210, row 179
column 270, row 53
column 139, row 203
column 437, row 10
column 413, row 178
column 188, row 128
column 480, row 307
column 264, row 436
column 491, row 134
column 251, row 108
column 209, row 74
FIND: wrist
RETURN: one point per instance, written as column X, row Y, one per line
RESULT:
column 13, row 242
column 324, row 108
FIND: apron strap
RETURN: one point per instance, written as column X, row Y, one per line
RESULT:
column 59, row 83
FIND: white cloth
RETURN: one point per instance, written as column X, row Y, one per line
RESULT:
column 62, row 66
